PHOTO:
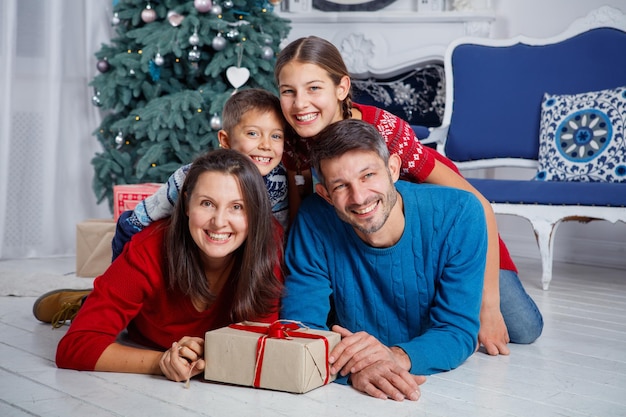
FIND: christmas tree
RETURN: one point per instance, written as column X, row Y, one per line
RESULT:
column 164, row 78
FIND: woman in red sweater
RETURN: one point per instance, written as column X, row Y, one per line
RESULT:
column 200, row 269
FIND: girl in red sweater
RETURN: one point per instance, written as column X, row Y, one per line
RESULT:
column 198, row 270
column 314, row 91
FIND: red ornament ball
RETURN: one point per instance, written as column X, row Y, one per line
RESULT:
column 148, row 15
column 202, row 6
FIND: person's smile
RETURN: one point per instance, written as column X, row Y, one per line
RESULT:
column 364, row 211
column 308, row 117
column 217, row 237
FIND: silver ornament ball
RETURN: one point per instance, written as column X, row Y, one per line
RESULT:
column 228, row 4
column 218, row 43
column 158, row 59
column 216, row 122
column 194, row 54
column 194, row 39
column 267, row 53
column 216, row 10
column 232, row 34
column 119, row 139
column 115, row 20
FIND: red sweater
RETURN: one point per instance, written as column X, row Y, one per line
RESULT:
column 418, row 161
column 132, row 294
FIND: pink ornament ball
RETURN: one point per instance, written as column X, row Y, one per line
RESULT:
column 203, row 6
column 148, row 15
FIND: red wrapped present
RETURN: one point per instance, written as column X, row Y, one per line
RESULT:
column 127, row 196
column 281, row 356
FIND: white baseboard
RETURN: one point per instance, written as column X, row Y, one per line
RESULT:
column 569, row 249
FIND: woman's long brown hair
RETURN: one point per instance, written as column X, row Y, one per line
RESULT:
column 256, row 287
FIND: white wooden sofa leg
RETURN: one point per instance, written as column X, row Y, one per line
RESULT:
column 544, row 233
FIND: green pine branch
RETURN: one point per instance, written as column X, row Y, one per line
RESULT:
column 157, row 117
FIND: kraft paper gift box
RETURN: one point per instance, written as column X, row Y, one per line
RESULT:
column 281, row 357
column 127, row 196
column 93, row 246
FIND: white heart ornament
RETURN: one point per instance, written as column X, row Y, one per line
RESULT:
column 237, row 76
column 174, row 18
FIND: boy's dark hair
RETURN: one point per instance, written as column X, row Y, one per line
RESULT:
column 246, row 100
column 346, row 135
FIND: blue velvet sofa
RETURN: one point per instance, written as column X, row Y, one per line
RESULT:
column 555, row 105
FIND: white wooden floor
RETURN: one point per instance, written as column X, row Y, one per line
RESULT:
column 576, row 368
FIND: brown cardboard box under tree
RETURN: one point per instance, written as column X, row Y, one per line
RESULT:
column 93, row 246
column 281, row 356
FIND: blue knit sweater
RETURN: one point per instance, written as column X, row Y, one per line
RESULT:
column 423, row 294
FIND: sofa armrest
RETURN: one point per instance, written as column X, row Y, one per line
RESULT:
column 422, row 132
column 437, row 136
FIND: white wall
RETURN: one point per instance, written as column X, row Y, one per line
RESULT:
column 542, row 18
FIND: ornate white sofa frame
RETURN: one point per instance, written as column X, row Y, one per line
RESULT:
column 492, row 116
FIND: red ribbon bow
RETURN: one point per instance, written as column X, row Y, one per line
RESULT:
column 277, row 330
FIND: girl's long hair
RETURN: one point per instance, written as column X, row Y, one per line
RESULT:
column 255, row 285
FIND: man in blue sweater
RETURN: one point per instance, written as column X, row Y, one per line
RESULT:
column 396, row 268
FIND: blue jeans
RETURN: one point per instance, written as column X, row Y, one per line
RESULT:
column 521, row 315
column 127, row 226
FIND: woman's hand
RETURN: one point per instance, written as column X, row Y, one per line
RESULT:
column 184, row 359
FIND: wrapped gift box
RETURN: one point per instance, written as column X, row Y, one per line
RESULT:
column 93, row 246
column 127, row 196
column 280, row 357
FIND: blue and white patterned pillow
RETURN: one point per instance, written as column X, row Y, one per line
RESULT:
column 582, row 137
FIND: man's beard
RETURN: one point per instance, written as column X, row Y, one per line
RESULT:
column 375, row 224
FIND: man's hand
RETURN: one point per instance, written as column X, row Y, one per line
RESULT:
column 376, row 369
column 493, row 334
column 357, row 351
column 385, row 379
